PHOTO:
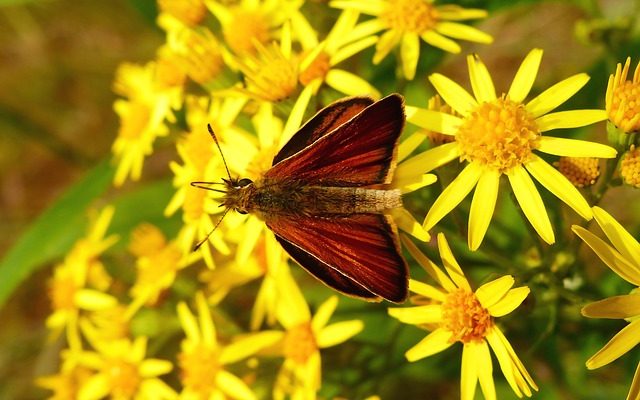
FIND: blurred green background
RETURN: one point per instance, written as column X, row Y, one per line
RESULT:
column 57, row 63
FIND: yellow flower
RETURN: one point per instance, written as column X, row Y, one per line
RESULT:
column 66, row 384
column 69, row 289
column 580, row 171
column 405, row 22
column 123, row 372
column 202, row 358
column 188, row 12
column 497, row 135
column 142, row 115
column 252, row 21
column 630, row 167
column 624, row 259
column 304, row 336
column 623, row 98
column 455, row 313
column 319, row 59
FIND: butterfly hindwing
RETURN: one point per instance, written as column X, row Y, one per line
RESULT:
column 356, row 254
column 325, row 121
column 359, row 152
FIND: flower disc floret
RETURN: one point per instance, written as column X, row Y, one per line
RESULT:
column 464, row 317
column 410, row 16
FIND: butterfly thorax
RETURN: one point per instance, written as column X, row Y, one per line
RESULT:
column 267, row 198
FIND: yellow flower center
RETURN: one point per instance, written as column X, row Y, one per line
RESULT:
column 156, row 273
column 300, row 343
column 168, row 73
column 134, row 122
column 581, row 171
column 500, row 134
column 271, row 76
column 191, row 12
column 197, row 149
column 244, row 29
column 464, row 316
column 630, row 167
column 317, row 69
column 123, row 377
column 146, row 240
column 410, row 15
column 193, row 204
column 198, row 368
column 62, row 291
column 202, row 56
column 624, row 110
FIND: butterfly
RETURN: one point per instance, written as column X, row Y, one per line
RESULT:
column 326, row 197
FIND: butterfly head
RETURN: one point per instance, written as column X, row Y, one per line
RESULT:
column 237, row 194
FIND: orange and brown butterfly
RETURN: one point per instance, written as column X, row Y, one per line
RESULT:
column 326, row 196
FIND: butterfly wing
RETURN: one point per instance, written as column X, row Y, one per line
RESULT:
column 358, row 255
column 325, row 121
column 360, row 152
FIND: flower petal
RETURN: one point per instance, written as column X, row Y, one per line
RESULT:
column 621, row 343
column 469, row 371
column 464, row 32
column 233, row 386
column 370, row 7
column 509, row 302
column 338, row 333
column 409, row 53
column 350, row 84
column 426, row 290
column 428, row 314
column 570, row 119
column 626, row 244
column 616, row 307
column 407, row 223
column 432, row 269
column 609, row 256
column 323, row 314
column 556, row 95
column 429, row 160
column 450, row 197
column 154, row 367
column 575, row 148
column 482, row 207
column 531, row 203
column 491, row 292
column 435, row 342
column 451, row 265
column 352, row 49
column 559, row 185
column 386, row 42
column 634, row 390
column 453, row 94
column 481, row 81
column 436, row 121
column 511, row 366
column 437, row 40
column 485, row 373
column 248, row 345
column 526, row 75
column 297, row 114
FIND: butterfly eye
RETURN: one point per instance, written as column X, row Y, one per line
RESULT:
column 241, row 211
column 244, row 182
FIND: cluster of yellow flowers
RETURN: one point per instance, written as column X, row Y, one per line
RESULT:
column 254, row 70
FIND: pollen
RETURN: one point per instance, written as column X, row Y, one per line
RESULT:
column 123, row 377
column 464, row 317
column 317, row 69
column 623, row 99
column 201, row 56
column 500, row 134
column 146, row 240
column 270, row 75
column 630, row 167
column 581, row 171
column 199, row 367
column 134, row 121
column 300, row 343
column 416, row 16
column 190, row 12
column 245, row 29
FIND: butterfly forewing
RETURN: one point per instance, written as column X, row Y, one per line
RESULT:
column 359, row 152
column 363, row 248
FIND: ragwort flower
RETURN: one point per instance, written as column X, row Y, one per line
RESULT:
column 455, row 313
column 405, row 22
column 497, row 135
column 623, row 98
column 624, row 259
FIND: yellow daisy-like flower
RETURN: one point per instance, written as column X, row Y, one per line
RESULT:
column 67, row 382
column 497, row 135
column 630, row 167
column 624, row 259
column 188, row 12
column 405, row 22
column 122, row 371
column 455, row 313
column 252, row 21
column 202, row 358
column 304, row 336
column 68, row 289
column 319, row 59
column 623, row 98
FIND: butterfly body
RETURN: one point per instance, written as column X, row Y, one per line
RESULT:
column 327, row 195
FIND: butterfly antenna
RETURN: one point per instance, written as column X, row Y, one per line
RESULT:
column 201, row 242
column 215, row 139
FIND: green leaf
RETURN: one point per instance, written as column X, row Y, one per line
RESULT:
column 54, row 232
